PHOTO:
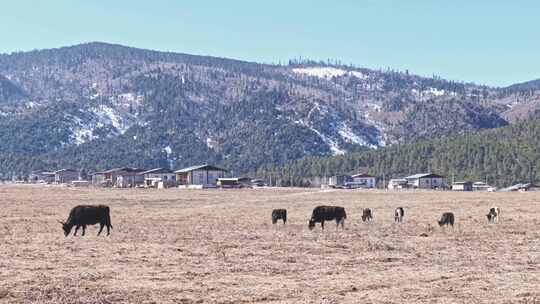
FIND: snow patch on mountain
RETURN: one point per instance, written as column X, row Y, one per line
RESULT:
column 349, row 136
column 327, row 72
column 332, row 144
column 98, row 117
column 210, row 143
column 167, row 150
column 81, row 132
column 109, row 116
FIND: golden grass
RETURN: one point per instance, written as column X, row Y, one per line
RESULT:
column 219, row 246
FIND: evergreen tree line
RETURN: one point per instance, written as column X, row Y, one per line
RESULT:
column 501, row 157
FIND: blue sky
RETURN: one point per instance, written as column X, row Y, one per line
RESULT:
column 493, row 42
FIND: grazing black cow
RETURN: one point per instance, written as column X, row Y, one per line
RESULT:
column 279, row 214
column 399, row 213
column 328, row 213
column 493, row 215
column 447, row 218
column 367, row 214
column 84, row 215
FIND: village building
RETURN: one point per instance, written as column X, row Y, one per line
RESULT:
column 257, row 183
column 462, row 186
column 80, row 183
column 119, row 177
column 365, row 180
column 66, row 176
column 339, row 181
column 481, row 186
column 152, row 178
column 231, row 182
column 201, row 176
column 521, row 187
column 41, row 177
column 397, row 183
column 235, row 182
column 425, row 181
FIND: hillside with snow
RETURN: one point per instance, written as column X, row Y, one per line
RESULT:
column 100, row 105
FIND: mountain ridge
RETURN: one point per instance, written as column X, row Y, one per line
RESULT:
column 98, row 105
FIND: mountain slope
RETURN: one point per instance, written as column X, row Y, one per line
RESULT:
column 99, row 105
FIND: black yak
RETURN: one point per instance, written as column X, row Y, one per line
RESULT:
column 367, row 214
column 327, row 213
column 83, row 215
column 279, row 214
column 447, row 218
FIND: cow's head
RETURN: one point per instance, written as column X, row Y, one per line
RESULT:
column 66, row 227
column 311, row 224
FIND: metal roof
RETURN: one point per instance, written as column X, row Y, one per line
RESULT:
column 462, row 183
column 423, row 175
column 362, row 175
column 65, row 170
column 157, row 170
column 126, row 169
column 199, row 167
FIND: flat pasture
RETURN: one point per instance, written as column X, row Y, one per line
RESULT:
column 219, row 246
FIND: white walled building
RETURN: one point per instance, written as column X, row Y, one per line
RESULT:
column 369, row 181
column 203, row 175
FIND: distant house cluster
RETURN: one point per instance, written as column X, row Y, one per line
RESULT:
column 194, row 177
column 200, row 176
column 63, row 176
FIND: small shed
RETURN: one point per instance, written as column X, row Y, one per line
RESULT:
column 339, row 181
column 397, row 183
column 66, row 176
column 153, row 177
column 462, row 186
column 365, row 180
column 42, row 177
column 200, row 176
column 229, row 183
column 80, row 183
column 481, row 186
column 124, row 177
column 425, row 181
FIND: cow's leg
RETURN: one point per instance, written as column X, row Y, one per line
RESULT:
column 76, row 229
column 101, row 225
column 322, row 224
column 108, row 229
column 284, row 220
column 83, row 229
column 342, row 223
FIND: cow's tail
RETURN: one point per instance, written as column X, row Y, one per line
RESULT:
column 109, row 224
column 344, row 215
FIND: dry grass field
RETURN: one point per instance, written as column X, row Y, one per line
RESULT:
column 219, row 246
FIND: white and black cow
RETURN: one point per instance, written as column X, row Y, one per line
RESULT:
column 399, row 213
column 494, row 214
